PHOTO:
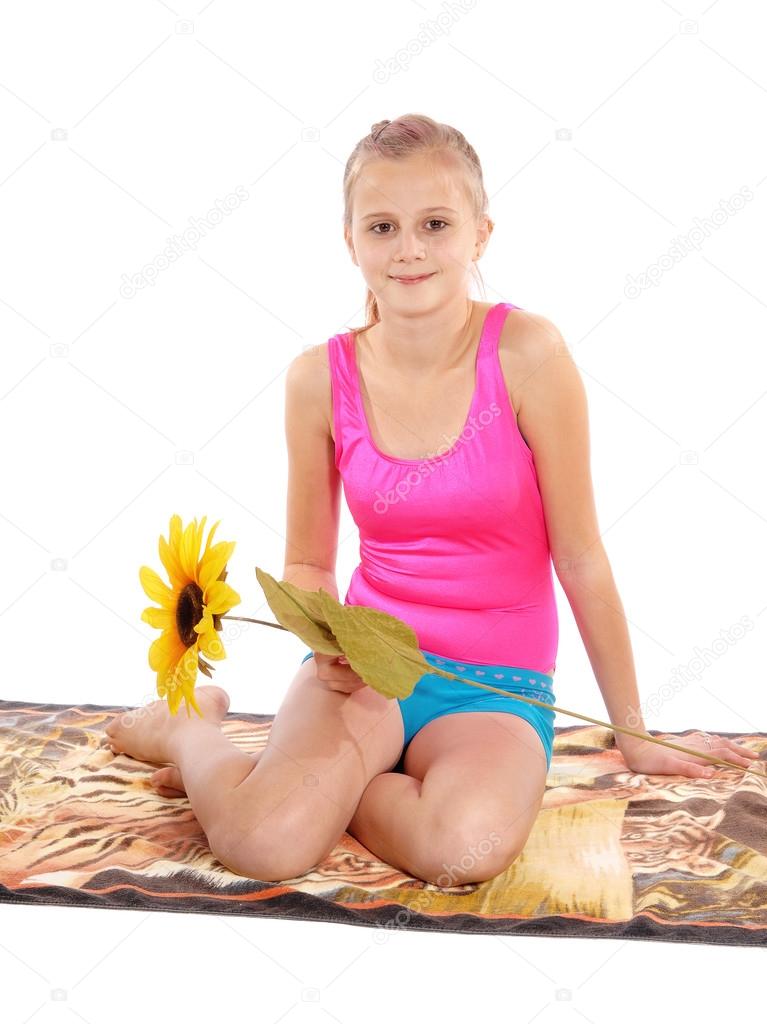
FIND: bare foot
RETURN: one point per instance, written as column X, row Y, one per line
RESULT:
column 168, row 781
column 146, row 732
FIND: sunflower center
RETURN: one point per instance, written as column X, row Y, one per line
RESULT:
column 188, row 613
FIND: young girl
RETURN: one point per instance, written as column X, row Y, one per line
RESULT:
column 459, row 431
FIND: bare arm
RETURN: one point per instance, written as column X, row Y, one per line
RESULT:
column 553, row 417
column 314, row 485
column 314, row 496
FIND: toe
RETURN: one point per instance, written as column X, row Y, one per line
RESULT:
column 168, row 781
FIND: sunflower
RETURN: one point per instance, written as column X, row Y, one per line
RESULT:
column 190, row 609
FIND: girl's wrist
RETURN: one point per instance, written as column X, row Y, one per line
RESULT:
column 625, row 741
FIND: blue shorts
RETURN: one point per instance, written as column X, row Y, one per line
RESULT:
column 434, row 696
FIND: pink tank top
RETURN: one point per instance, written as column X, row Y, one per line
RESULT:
column 454, row 544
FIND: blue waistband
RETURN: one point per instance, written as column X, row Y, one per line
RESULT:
column 490, row 674
column 524, row 675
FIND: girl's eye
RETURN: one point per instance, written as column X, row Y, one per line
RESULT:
column 433, row 220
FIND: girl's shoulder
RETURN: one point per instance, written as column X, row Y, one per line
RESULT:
column 309, row 374
column 524, row 342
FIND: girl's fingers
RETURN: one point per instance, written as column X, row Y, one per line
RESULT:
column 731, row 751
column 728, row 750
column 740, row 749
column 695, row 771
column 720, row 747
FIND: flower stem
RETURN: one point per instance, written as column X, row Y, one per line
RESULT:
column 552, row 707
column 261, row 622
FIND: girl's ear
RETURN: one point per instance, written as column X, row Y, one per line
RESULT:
column 484, row 233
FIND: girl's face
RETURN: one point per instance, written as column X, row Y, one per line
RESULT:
column 413, row 217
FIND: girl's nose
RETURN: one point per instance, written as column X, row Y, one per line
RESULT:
column 410, row 245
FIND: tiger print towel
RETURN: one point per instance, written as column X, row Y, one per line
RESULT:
column 611, row 855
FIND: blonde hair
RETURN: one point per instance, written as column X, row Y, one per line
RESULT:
column 399, row 139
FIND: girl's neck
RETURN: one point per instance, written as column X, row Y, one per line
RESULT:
column 424, row 345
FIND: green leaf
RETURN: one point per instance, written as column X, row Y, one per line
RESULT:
column 382, row 649
column 300, row 611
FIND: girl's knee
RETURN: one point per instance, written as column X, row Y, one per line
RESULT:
column 464, row 855
column 265, row 858
column 271, row 851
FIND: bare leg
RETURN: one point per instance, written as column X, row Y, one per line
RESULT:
column 457, row 818
column 168, row 781
column 208, row 763
column 211, row 768
column 276, row 815
column 394, row 823
column 389, row 820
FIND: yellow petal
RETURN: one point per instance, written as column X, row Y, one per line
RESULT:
column 178, row 684
column 205, row 623
column 210, row 643
column 174, row 536
column 169, row 688
column 191, row 699
column 209, row 542
column 174, row 699
column 214, row 562
column 160, row 618
column 198, row 539
column 190, row 548
column 165, row 651
column 185, row 550
column 155, row 589
column 186, row 673
column 170, row 560
column 161, row 687
column 219, row 597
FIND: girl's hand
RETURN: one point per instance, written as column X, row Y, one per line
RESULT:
column 652, row 759
column 335, row 672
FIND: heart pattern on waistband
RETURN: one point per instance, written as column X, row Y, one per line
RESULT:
column 537, row 683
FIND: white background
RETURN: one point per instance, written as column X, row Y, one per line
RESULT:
column 609, row 134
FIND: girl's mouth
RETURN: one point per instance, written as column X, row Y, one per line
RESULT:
column 413, row 280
